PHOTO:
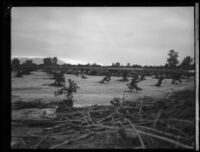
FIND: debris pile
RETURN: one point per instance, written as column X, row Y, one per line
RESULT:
column 142, row 124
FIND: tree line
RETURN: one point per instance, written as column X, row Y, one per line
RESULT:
column 171, row 63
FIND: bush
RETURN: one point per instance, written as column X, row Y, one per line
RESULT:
column 59, row 78
column 116, row 102
column 93, row 72
column 19, row 74
column 68, row 94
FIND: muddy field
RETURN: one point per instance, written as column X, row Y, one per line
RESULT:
column 91, row 92
column 156, row 117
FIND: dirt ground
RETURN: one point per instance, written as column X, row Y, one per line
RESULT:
column 91, row 92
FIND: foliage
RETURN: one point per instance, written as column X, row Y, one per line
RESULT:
column 68, row 91
column 29, row 62
column 28, row 66
column 107, row 78
column 128, row 64
column 117, row 64
column 124, row 75
column 95, row 65
column 116, row 102
column 139, row 66
column 186, row 63
column 15, row 63
column 172, row 60
column 26, row 71
column 19, row 74
column 93, row 72
column 59, row 78
column 50, row 61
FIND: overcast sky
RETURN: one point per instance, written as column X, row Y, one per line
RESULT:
column 103, row 35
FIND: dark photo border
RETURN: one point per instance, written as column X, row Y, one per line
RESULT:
column 6, row 51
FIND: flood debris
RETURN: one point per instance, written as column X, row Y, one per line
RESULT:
column 31, row 104
column 143, row 124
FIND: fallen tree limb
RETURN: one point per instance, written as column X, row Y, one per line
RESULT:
column 40, row 142
column 68, row 141
column 140, row 138
column 166, row 139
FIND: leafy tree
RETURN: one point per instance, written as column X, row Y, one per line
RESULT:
column 28, row 66
column 172, row 60
column 67, row 91
column 187, row 62
column 115, row 101
column 94, row 64
column 88, row 65
column 128, row 64
column 124, row 75
column 79, row 65
column 166, row 65
column 29, row 62
column 19, row 74
column 15, row 63
column 136, row 66
column 117, row 64
column 193, row 65
column 47, row 61
column 93, row 72
column 50, row 61
column 59, row 78
column 54, row 61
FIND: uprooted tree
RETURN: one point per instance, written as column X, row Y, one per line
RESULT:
column 67, row 91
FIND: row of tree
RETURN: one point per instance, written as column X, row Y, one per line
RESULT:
column 172, row 62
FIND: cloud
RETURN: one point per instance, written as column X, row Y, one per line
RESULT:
column 103, row 34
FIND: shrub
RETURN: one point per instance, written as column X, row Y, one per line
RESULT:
column 116, row 102
column 19, row 74
column 68, row 94
column 59, row 78
column 93, row 72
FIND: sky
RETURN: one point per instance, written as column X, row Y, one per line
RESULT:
column 103, row 35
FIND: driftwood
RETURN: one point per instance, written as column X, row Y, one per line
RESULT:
column 146, row 119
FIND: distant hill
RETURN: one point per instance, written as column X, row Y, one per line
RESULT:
column 36, row 60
